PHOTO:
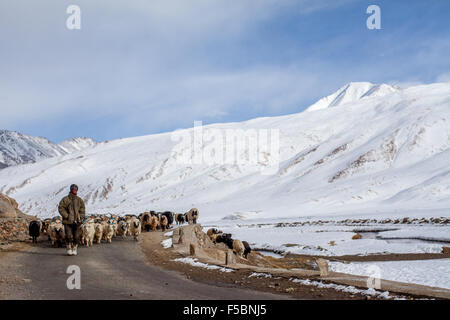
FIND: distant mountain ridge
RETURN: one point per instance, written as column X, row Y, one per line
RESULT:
column 18, row 148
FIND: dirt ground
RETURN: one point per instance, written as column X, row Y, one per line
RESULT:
column 157, row 255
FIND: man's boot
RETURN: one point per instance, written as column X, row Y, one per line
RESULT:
column 69, row 249
column 74, row 249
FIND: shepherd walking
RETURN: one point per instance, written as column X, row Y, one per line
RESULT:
column 73, row 211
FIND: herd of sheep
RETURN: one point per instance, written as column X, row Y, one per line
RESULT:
column 241, row 248
column 96, row 228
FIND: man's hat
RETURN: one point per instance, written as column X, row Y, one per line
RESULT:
column 73, row 186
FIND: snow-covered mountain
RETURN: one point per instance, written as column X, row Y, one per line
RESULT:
column 376, row 149
column 351, row 93
column 77, row 144
column 17, row 148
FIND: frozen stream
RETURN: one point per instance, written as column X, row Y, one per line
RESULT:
column 333, row 239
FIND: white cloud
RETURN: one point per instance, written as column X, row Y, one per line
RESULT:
column 444, row 77
column 404, row 84
column 143, row 60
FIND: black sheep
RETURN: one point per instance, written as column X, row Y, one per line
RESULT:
column 169, row 216
column 225, row 238
column 247, row 249
column 229, row 242
column 226, row 235
column 34, row 229
column 180, row 218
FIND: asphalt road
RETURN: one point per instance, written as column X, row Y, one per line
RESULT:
column 107, row 271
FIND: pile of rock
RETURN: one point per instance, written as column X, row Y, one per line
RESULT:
column 8, row 207
column 13, row 223
column 13, row 230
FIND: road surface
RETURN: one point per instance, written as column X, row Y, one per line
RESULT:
column 108, row 271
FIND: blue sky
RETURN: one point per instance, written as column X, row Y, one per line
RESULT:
column 138, row 67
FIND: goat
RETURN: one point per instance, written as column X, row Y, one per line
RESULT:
column 163, row 222
column 192, row 216
column 238, row 247
column 44, row 226
column 56, row 233
column 34, row 229
column 179, row 218
column 247, row 249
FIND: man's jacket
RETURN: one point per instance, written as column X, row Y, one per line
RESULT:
column 72, row 209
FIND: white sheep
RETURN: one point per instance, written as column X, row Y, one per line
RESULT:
column 98, row 232
column 88, row 233
column 108, row 232
column 123, row 228
column 135, row 227
column 56, row 232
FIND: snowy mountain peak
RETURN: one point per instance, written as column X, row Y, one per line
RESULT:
column 17, row 148
column 77, row 144
column 353, row 92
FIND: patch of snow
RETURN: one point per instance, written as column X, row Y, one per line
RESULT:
column 260, row 275
column 349, row 289
column 167, row 243
column 433, row 273
column 195, row 263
